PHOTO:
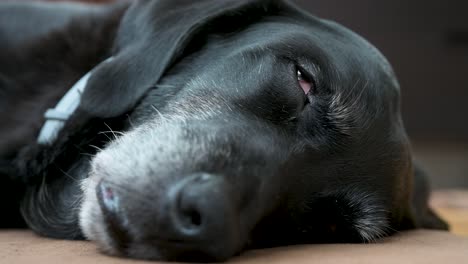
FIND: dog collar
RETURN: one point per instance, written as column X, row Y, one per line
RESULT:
column 56, row 117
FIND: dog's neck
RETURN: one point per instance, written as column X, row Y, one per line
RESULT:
column 57, row 116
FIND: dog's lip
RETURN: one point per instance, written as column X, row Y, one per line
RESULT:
column 188, row 247
column 160, row 240
column 187, row 244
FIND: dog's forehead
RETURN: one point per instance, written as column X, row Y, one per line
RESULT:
column 332, row 47
column 347, row 61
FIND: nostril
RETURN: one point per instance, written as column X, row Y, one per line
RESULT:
column 108, row 198
column 115, row 219
column 202, row 218
column 193, row 203
column 195, row 218
column 190, row 216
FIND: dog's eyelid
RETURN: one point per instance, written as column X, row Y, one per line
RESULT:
column 306, row 82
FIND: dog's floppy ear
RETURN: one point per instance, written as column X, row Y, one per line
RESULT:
column 152, row 36
column 423, row 215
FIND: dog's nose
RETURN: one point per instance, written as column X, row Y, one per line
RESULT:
column 202, row 215
column 199, row 221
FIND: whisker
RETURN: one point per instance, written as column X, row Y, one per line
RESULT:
column 130, row 121
column 111, row 131
column 68, row 175
column 96, row 147
column 163, row 118
column 105, row 134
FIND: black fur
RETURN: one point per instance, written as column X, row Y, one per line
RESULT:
column 34, row 75
column 332, row 166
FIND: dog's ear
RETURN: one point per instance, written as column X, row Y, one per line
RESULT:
column 152, row 36
column 423, row 216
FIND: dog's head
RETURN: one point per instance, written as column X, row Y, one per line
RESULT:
column 252, row 124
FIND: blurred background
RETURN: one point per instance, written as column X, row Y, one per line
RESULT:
column 426, row 41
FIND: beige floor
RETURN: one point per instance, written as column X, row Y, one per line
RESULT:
column 452, row 205
column 413, row 247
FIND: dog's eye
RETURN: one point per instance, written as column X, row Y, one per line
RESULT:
column 304, row 82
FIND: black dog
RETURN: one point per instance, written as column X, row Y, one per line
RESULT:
column 216, row 126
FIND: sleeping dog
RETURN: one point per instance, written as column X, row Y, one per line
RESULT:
column 193, row 130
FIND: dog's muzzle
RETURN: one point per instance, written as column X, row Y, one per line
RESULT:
column 194, row 192
column 199, row 212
